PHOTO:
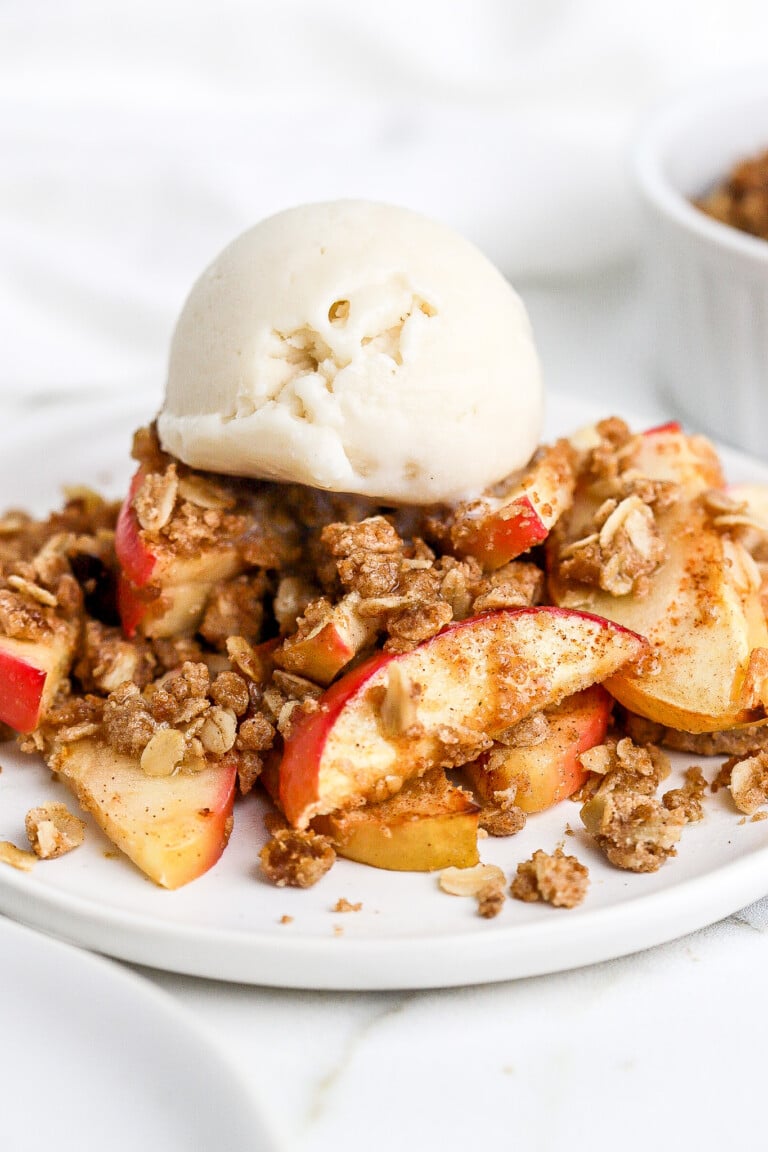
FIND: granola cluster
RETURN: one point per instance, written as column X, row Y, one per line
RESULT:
column 620, row 546
column 741, row 200
column 555, row 879
column 633, row 827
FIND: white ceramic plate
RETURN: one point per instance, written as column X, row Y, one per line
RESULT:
column 408, row 934
column 94, row 1057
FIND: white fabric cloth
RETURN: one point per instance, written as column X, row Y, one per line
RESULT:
column 136, row 139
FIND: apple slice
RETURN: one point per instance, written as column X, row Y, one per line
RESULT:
column 700, row 609
column 174, row 828
column 398, row 715
column 428, row 824
column 496, row 530
column 137, row 561
column 668, row 453
column 31, row 672
column 159, row 593
column 548, row 772
column 755, row 497
column 321, row 653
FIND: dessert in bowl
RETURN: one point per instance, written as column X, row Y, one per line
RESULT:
column 706, row 280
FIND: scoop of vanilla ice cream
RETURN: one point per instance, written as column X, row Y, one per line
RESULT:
column 355, row 347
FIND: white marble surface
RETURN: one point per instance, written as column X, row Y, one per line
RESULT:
column 657, row 1051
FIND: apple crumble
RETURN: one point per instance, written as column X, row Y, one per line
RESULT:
column 400, row 681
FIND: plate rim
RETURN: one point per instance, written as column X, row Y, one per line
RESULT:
column 596, row 935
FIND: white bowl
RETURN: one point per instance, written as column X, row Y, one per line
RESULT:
column 708, row 282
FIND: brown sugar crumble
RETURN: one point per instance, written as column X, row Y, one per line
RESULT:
column 344, row 905
column 633, row 829
column 732, row 742
column 52, row 830
column 296, row 859
column 484, row 882
column 748, row 781
column 559, row 880
column 16, row 857
column 741, row 200
column 688, row 799
column 490, row 899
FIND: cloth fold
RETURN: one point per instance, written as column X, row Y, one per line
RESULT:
column 137, row 140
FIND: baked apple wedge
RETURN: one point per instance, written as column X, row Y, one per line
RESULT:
column 30, row 673
column 668, row 453
column 547, row 771
column 441, row 704
column 428, row 824
column 325, row 647
column 495, row 530
column 160, row 592
column 654, row 558
column 174, row 828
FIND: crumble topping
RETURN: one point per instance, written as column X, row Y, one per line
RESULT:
column 344, row 905
column 632, row 828
column 53, row 830
column 741, row 199
column 15, row 857
column 155, row 499
column 490, row 899
column 484, row 882
column 732, row 742
column 107, row 660
column 515, row 585
column 235, row 608
column 622, row 549
column 620, row 765
column 556, row 879
column 502, row 819
column 527, row 733
column 748, row 781
column 296, row 859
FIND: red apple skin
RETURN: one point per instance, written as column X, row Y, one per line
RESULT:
column 322, row 654
column 549, row 772
column 21, row 696
column 501, row 539
column 160, row 594
column 136, row 560
column 303, row 792
column 301, row 757
column 524, row 517
column 131, row 607
column 670, row 426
